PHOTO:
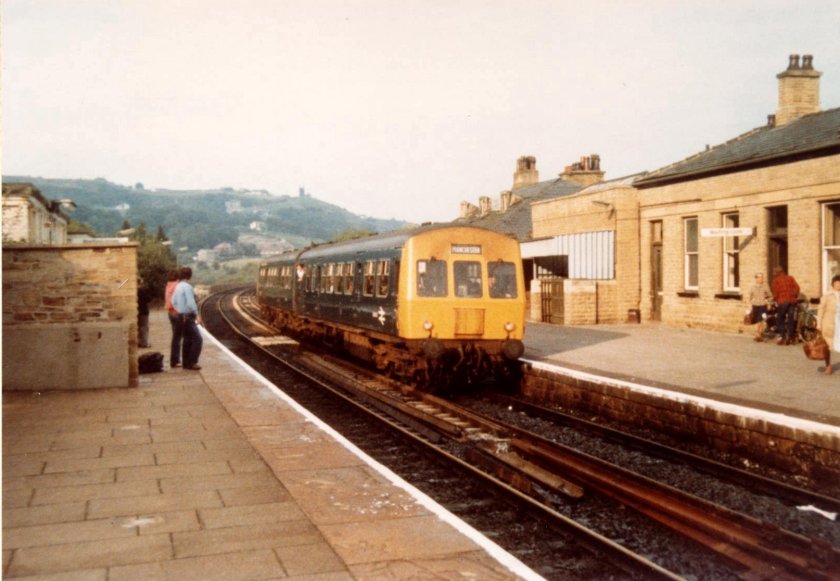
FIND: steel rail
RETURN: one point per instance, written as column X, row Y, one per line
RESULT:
column 419, row 432
column 750, row 480
column 758, row 548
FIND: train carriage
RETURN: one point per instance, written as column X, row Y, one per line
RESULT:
column 436, row 303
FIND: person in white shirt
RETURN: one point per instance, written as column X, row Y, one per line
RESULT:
column 183, row 301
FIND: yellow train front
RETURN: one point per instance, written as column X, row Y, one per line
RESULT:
column 439, row 305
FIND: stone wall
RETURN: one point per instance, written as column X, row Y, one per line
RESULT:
column 757, row 440
column 70, row 316
column 801, row 186
column 605, row 207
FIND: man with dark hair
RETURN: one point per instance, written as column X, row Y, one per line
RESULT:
column 183, row 301
column 786, row 292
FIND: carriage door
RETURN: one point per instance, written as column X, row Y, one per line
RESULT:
column 656, row 271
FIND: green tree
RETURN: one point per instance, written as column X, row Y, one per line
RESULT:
column 161, row 235
column 154, row 263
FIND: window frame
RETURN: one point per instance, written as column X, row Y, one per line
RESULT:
column 690, row 256
column 731, row 254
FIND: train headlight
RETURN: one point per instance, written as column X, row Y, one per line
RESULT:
column 428, row 325
column 509, row 327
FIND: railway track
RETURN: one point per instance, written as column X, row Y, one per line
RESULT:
column 544, row 474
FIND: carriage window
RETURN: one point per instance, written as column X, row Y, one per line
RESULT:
column 348, row 278
column 317, row 277
column 339, row 279
column 370, row 274
column 501, row 278
column 431, row 278
column 323, row 277
column 383, row 272
column 467, row 279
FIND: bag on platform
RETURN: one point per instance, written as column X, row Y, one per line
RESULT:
column 150, row 362
column 816, row 348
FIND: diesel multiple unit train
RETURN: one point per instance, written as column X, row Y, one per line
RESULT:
column 433, row 305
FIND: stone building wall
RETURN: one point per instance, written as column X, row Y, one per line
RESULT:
column 801, row 186
column 603, row 208
column 70, row 316
column 29, row 218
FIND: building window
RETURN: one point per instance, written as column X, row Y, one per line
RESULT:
column 831, row 243
column 692, row 258
column 731, row 262
column 551, row 266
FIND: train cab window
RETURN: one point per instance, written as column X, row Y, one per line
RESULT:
column 349, row 273
column 383, row 275
column 369, row 278
column 467, row 279
column 431, row 278
column 501, row 279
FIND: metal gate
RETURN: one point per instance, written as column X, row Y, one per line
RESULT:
column 551, row 293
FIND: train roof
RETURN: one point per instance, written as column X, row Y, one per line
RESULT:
column 394, row 240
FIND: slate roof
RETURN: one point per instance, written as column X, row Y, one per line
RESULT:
column 516, row 221
column 813, row 135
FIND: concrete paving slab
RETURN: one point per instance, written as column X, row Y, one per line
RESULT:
column 209, row 475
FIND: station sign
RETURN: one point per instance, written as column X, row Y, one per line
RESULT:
column 721, row 232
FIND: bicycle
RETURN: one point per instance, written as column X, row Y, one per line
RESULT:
column 806, row 322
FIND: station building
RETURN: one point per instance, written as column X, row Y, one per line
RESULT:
column 767, row 198
column 682, row 244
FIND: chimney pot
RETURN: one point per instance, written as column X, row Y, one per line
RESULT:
column 794, row 62
column 771, row 120
column 807, row 62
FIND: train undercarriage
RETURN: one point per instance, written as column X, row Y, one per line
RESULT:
column 430, row 364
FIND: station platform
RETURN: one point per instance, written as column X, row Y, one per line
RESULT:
column 729, row 368
column 213, row 474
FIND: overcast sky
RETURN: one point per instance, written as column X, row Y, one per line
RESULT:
column 392, row 109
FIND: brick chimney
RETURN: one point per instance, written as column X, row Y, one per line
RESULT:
column 468, row 210
column 485, row 205
column 799, row 90
column 526, row 172
column 585, row 172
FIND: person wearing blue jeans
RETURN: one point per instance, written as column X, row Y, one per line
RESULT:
column 183, row 301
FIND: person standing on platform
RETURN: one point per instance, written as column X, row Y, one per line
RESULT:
column 183, row 301
column 142, row 314
column 174, row 319
column 828, row 319
column 786, row 292
column 760, row 297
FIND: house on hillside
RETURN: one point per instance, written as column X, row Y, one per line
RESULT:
column 769, row 197
column 30, row 218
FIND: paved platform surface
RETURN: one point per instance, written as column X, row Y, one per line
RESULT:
column 728, row 367
column 211, row 475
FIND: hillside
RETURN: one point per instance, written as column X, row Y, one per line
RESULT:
column 196, row 219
